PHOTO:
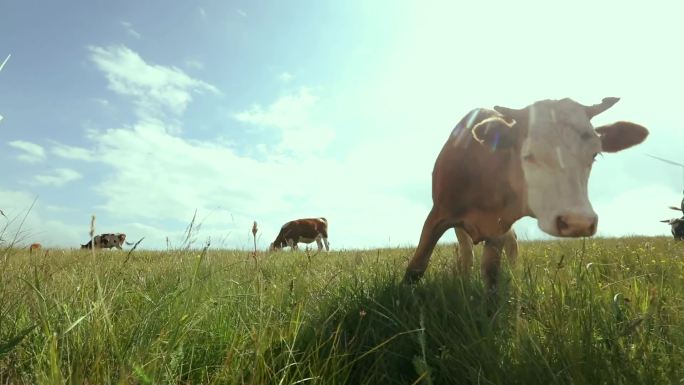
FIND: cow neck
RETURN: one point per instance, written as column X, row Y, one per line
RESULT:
column 482, row 189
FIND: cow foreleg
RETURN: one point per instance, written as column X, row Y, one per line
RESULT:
column 465, row 251
column 326, row 243
column 491, row 261
column 292, row 244
column 511, row 246
column 319, row 243
column 435, row 225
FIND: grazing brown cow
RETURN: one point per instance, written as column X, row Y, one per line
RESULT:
column 302, row 230
column 106, row 241
column 35, row 246
column 499, row 166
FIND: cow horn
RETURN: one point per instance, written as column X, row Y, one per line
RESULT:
column 605, row 104
column 517, row 114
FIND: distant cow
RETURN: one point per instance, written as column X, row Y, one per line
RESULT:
column 35, row 247
column 302, row 230
column 500, row 165
column 106, row 241
column 677, row 228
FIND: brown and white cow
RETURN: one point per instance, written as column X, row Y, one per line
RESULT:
column 500, row 165
column 35, row 247
column 304, row 230
column 106, row 241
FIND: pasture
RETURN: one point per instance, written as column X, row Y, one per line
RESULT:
column 594, row 311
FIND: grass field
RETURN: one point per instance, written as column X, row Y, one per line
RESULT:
column 595, row 311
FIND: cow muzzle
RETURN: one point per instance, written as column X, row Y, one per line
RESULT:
column 572, row 224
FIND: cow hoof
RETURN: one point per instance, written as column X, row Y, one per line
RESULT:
column 412, row 277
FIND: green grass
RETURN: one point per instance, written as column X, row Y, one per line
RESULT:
column 604, row 311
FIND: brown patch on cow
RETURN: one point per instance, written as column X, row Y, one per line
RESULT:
column 621, row 135
column 35, row 247
column 106, row 241
column 474, row 187
column 304, row 230
column 486, row 199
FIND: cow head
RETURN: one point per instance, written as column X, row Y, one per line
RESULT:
column 555, row 144
column 276, row 246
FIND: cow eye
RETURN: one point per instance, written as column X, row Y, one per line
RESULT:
column 529, row 158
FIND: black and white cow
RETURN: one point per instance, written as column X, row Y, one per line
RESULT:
column 106, row 241
column 677, row 228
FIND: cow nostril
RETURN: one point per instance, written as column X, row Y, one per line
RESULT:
column 561, row 224
column 592, row 228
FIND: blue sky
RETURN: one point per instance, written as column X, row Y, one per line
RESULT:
column 142, row 113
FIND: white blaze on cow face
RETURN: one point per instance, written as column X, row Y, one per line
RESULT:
column 557, row 144
column 556, row 157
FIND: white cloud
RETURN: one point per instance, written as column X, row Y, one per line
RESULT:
column 102, row 102
column 155, row 188
column 241, row 12
column 32, row 153
column 151, row 192
column 129, row 29
column 71, row 152
column 58, row 209
column 289, row 111
column 151, row 187
column 157, row 91
column 37, row 227
column 202, row 12
column 201, row 174
column 194, row 64
column 285, row 76
column 59, row 177
column 292, row 117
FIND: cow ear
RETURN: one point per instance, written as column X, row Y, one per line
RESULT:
column 495, row 133
column 621, row 135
